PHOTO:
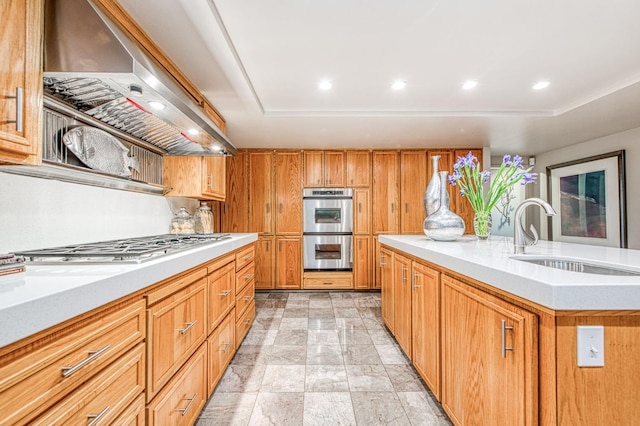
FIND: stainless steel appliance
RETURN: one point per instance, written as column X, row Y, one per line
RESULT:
column 129, row 250
column 328, row 226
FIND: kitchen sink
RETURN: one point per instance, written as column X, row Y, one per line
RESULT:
column 576, row 265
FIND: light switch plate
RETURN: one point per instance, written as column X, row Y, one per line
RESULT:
column 590, row 346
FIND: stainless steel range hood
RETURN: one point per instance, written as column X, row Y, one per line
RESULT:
column 90, row 64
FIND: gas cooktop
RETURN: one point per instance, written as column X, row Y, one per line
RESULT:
column 129, row 250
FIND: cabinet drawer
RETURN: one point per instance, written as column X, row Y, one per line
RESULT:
column 34, row 382
column 183, row 398
column 222, row 344
column 244, row 323
column 104, row 397
column 327, row 280
column 133, row 415
column 244, row 256
column 245, row 298
column 221, row 294
column 176, row 327
column 245, row 276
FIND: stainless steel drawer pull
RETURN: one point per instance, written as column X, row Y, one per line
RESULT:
column 381, row 262
column 414, row 278
column 96, row 417
column 226, row 347
column 327, row 282
column 68, row 371
column 19, row 102
column 403, row 269
column 248, row 257
column 247, row 277
column 505, row 327
column 188, row 327
column 184, row 410
column 210, row 181
column 225, row 293
column 248, row 298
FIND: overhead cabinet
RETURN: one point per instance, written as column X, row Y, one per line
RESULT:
column 324, row 169
column 358, row 169
column 203, row 178
column 21, row 82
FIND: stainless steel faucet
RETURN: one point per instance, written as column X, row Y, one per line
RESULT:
column 521, row 237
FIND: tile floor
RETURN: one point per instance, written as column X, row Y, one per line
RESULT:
column 320, row 358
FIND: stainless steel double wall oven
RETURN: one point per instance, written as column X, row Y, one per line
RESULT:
column 328, row 229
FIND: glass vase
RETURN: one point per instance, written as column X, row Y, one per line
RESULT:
column 443, row 225
column 482, row 225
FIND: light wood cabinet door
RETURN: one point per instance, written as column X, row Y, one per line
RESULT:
column 334, row 169
column 425, row 324
column 221, row 347
column 445, row 163
column 288, row 193
column 195, row 177
column 313, row 169
column 385, row 198
column 361, row 212
column 402, row 302
column 214, row 177
column 235, row 209
column 221, row 290
column 21, row 81
column 289, row 263
column 361, row 262
column 376, row 262
column 261, row 194
column 489, row 358
column 386, row 284
column 413, row 183
column 358, row 168
column 265, row 263
column 462, row 205
column 243, row 324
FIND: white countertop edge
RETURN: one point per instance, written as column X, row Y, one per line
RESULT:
column 489, row 262
column 49, row 296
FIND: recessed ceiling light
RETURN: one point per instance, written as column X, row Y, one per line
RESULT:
column 541, row 85
column 157, row 105
column 399, row 85
column 469, row 84
column 325, row 85
column 193, row 132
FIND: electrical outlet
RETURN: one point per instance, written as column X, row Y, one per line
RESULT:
column 590, row 346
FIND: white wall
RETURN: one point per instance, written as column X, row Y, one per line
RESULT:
column 630, row 142
column 38, row 213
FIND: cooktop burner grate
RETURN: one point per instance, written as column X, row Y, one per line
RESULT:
column 129, row 250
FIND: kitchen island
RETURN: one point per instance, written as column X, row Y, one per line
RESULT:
column 496, row 338
column 124, row 342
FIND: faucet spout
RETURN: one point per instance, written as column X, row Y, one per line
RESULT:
column 521, row 237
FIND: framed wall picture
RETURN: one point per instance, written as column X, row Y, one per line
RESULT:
column 589, row 197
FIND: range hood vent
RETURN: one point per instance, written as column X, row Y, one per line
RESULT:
column 91, row 65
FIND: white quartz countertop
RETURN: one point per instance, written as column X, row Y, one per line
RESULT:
column 47, row 295
column 490, row 262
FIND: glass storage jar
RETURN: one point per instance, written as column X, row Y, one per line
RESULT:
column 182, row 222
column 204, row 219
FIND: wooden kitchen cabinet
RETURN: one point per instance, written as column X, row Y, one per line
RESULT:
column 425, row 324
column 265, row 263
column 288, row 193
column 221, row 291
column 176, row 326
column 235, row 209
column 362, row 262
column 21, row 81
column 221, row 348
column 413, row 183
column 361, row 212
column 489, row 358
column 261, row 194
column 324, row 169
column 358, row 169
column 195, row 177
column 375, row 263
column 327, row 280
column 402, row 302
column 288, row 262
column 385, row 197
column 386, row 286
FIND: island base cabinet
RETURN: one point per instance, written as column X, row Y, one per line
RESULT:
column 386, row 284
column 489, row 358
column 402, row 302
column 222, row 346
column 180, row 402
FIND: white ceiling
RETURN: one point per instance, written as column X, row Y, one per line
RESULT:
column 260, row 61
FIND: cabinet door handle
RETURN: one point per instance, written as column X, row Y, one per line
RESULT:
column 406, row 207
column 210, row 181
column 360, row 244
column 96, row 417
column 414, row 277
column 248, row 257
column 381, row 260
column 359, row 207
column 247, row 277
column 226, row 347
column 505, row 348
column 268, row 245
column 393, row 207
column 403, row 269
column 225, row 293
column 184, row 410
column 280, row 246
column 267, row 208
column 248, row 298
column 280, row 207
column 68, row 371
column 188, row 327
column 225, row 208
column 19, row 102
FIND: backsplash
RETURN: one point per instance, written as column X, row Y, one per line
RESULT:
column 38, row 213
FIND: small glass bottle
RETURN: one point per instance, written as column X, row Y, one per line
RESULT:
column 204, row 219
column 182, row 223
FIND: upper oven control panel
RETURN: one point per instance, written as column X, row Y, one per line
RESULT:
column 327, row 192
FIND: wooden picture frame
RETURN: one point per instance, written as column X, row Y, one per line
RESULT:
column 589, row 198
